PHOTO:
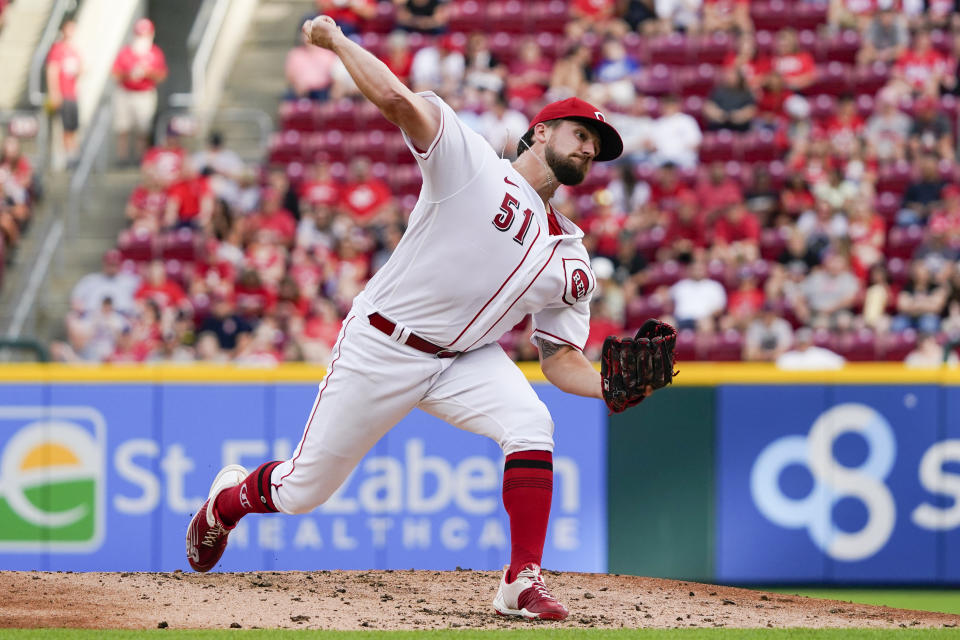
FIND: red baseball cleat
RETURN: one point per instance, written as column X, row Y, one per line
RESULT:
column 528, row 596
column 206, row 535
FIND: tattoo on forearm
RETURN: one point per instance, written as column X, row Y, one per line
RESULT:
column 547, row 349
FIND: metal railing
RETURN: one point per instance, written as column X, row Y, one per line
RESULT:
column 205, row 29
column 255, row 117
column 90, row 151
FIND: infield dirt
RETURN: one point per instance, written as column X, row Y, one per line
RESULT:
column 407, row 600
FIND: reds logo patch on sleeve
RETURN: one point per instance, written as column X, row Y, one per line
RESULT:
column 579, row 280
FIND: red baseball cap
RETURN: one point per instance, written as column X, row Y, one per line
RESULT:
column 143, row 27
column 611, row 146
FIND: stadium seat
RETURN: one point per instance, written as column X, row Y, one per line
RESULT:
column 869, row 79
column 896, row 346
column 640, row 309
column 297, row 115
column 636, row 46
column 285, row 147
column 467, row 16
column 897, row 271
column 507, row 16
column 770, row 16
column 887, row 205
column 137, row 245
column 902, row 242
column 894, row 178
column 693, row 105
column 662, row 274
column 176, row 272
column 384, row 20
column 657, row 80
column 841, row 47
column 833, row 79
column 671, row 50
column 551, row 17
column 764, row 44
column 725, row 347
column 772, row 243
column 758, row 146
column 182, row 245
column 823, row 107
column 686, row 348
column 696, row 81
column 712, row 49
column 808, row 15
column 865, row 105
column 717, row 146
column 855, row 346
column 647, row 242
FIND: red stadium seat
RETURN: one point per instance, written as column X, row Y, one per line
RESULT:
column 896, row 346
column 662, row 274
column 384, row 20
column 636, row 46
column 507, row 16
column 855, row 346
column 870, row 79
column 551, row 17
column 725, row 347
column 717, row 147
column 182, row 245
column 894, row 178
column 764, row 43
column 865, row 105
column 467, row 16
column 758, row 146
column 887, row 205
column 842, row 47
column 686, row 348
column 770, row 16
column 137, row 245
column 772, row 243
column 298, row 115
column 713, row 48
column 902, row 242
column 285, row 147
column 658, row 81
column 672, row 50
column 834, row 79
column 808, row 15
column 640, row 309
column 697, row 81
column 898, row 271
column 647, row 242
column 823, row 107
column 693, row 105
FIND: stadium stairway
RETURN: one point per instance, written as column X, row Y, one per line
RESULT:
column 94, row 231
column 25, row 22
column 257, row 79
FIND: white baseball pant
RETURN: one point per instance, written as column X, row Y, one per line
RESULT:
column 374, row 381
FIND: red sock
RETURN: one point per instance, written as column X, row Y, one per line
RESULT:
column 250, row 496
column 527, row 490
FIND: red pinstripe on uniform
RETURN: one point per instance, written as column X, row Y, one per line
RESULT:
column 316, row 404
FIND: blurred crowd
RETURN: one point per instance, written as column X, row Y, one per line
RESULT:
column 788, row 191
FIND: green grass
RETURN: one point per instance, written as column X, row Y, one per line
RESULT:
column 553, row 633
column 946, row 601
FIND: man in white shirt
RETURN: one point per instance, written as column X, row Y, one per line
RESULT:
column 675, row 135
column 119, row 286
column 484, row 248
column 806, row 356
column 697, row 299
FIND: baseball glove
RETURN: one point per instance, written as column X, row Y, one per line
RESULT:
column 631, row 367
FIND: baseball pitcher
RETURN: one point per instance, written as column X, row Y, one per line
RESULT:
column 484, row 248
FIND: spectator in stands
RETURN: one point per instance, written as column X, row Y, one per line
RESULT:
column 851, row 14
column 731, row 104
column 795, row 197
column 309, row 71
column 64, row 68
column 223, row 166
column 761, row 198
column 138, row 69
column 605, row 226
column 950, row 325
column 845, row 128
column 745, row 302
column 836, row 191
column 920, row 69
column 930, row 353
column 922, row 195
column 162, row 290
column 3, row 9
column 110, row 282
column 364, row 197
column 350, row 15
column 828, row 294
column 593, row 15
column 931, row 131
column 877, row 297
column 678, row 15
column 571, row 73
column 675, row 135
column 500, row 125
column 189, row 200
column 868, row 234
column 698, row 300
column 628, row 192
column 767, row 337
column 439, row 67
column 484, row 70
column 16, row 189
column 639, row 15
column 426, row 16
column 614, row 71
column 886, row 37
column 806, row 356
column 795, row 65
column 636, row 131
column 399, row 57
column 224, row 324
column 686, row 233
column 165, row 161
column 529, row 74
column 736, row 235
column 921, row 302
column 727, row 15
column 147, row 205
column 277, row 223
column 92, row 336
column 946, row 218
column 823, row 226
column 717, row 191
column 887, row 130
column 798, row 251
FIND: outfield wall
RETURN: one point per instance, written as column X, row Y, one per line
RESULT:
column 739, row 473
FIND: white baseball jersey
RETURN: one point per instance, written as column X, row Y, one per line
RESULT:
column 479, row 255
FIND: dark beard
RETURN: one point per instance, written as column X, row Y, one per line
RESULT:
column 566, row 170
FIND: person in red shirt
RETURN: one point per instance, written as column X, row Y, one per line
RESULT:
column 667, row 190
column 364, row 196
column 165, row 161
column 921, row 68
column 529, row 74
column 745, row 302
column 736, row 235
column 350, row 15
column 686, row 235
column 845, row 128
column 605, row 226
column 319, row 188
column 717, row 191
column 64, row 66
column 868, row 235
column 189, row 200
column 946, row 220
column 147, row 204
column 278, row 223
column 724, row 15
column 399, row 58
column 138, row 68
column 795, row 197
column 796, row 66
column 157, row 287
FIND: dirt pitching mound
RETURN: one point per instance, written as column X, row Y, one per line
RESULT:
column 406, row 600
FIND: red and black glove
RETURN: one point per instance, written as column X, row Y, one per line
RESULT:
column 631, row 367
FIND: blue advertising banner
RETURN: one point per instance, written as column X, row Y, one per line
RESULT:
column 104, row 477
column 845, row 483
